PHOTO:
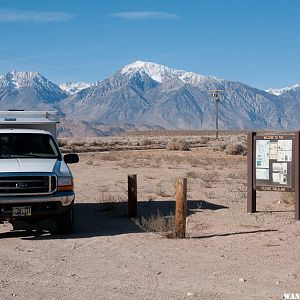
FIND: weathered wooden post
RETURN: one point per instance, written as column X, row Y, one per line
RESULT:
column 297, row 175
column 181, row 207
column 251, row 192
column 132, row 195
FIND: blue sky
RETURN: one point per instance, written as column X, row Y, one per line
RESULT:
column 251, row 41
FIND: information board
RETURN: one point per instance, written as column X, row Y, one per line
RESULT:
column 274, row 157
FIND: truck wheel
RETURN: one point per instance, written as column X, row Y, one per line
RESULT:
column 65, row 222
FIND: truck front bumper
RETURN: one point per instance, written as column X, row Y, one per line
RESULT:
column 65, row 198
column 42, row 207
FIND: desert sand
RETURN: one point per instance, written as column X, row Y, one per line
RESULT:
column 228, row 253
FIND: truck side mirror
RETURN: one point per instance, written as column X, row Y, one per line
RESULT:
column 71, row 158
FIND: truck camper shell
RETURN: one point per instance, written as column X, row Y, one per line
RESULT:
column 17, row 119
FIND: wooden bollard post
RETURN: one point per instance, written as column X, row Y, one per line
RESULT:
column 251, row 192
column 132, row 196
column 181, row 207
column 297, row 175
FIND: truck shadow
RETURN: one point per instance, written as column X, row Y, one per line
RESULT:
column 107, row 219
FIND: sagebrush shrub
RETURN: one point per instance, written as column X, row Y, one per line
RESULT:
column 236, row 149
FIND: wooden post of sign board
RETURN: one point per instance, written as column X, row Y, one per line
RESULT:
column 132, row 196
column 297, row 175
column 181, row 207
column 251, row 192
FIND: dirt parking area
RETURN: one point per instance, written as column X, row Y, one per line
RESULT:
column 228, row 253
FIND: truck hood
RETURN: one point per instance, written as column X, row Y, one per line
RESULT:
column 22, row 165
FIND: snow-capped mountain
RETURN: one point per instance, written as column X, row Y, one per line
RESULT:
column 153, row 95
column 148, row 93
column 162, row 73
column 155, row 71
column 279, row 92
column 72, row 88
column 28, row 90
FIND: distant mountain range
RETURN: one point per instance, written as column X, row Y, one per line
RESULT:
column 284, row 90
column 72, row 88
column 148, row 95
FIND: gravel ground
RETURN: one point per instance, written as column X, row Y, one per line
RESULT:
column 228, row 253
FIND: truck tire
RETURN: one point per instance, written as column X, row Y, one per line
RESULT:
column 65, row 222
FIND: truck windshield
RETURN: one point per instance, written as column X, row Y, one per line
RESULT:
column 27, row 145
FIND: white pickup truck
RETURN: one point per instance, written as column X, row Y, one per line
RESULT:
column 35, row 180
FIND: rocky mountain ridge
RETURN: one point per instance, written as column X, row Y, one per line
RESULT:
column 145, row 94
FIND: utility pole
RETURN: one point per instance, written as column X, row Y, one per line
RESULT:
column 217, row 95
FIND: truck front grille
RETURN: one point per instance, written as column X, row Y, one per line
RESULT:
column 27, row 185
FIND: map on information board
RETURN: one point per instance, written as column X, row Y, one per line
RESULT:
column 262, row 154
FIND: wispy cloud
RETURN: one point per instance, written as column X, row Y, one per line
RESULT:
column 142, row 15
column 35, row 16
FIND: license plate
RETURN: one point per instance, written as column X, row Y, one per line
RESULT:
column 23, row 211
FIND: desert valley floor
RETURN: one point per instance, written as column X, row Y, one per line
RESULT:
column 228, row 253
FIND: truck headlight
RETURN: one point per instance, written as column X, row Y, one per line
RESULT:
column 65, row 184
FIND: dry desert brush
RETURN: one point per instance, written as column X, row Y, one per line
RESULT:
column 236, row 149
column 181, row 145
column 158, row 223
column 288, row 198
